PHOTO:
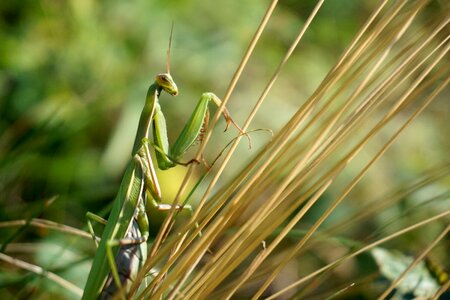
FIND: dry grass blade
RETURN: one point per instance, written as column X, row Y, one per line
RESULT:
column 47, row 224
column 442, row 290
column 42, row 272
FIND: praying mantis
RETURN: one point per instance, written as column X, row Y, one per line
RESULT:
column 139, row 196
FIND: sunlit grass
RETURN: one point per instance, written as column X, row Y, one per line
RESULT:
column 292, row 222
column 381, row 77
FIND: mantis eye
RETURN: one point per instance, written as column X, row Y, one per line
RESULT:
column 164, row 78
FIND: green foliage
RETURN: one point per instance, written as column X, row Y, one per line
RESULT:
column 73, row 78
column 419, row 282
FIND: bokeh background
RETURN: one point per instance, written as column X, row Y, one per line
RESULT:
column 73, row 78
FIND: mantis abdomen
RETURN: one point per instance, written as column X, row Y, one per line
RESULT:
column 129, row 260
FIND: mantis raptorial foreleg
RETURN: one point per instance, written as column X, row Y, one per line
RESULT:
column 193, row 130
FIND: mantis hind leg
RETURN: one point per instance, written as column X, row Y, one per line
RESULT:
column 157, row 212
column 93, row 217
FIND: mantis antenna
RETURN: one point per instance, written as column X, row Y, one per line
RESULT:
column 168, row 50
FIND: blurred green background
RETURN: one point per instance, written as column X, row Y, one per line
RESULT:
column 74, row 74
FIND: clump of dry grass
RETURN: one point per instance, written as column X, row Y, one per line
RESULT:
column 388, row 75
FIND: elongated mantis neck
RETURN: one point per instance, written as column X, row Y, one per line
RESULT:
column 146, row 119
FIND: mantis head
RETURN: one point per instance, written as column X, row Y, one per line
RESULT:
column 166, row 82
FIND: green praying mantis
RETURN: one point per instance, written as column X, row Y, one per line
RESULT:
column 122, row 248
